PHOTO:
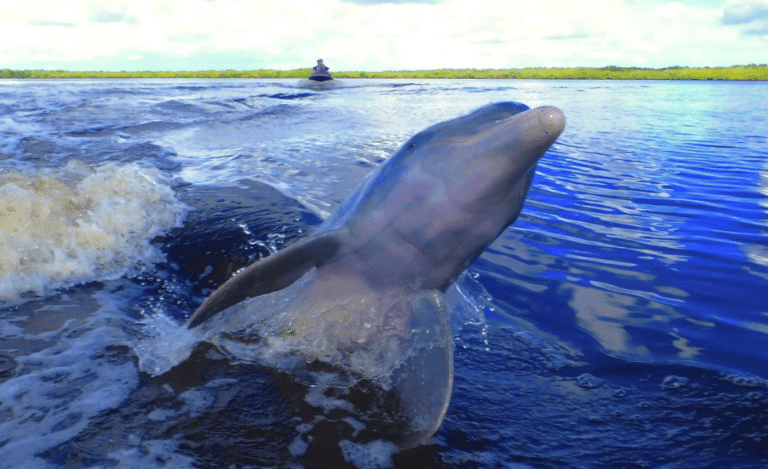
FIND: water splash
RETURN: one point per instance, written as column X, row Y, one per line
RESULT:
column 66, row 226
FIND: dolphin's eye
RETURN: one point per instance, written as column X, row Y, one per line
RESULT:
column 411, row 144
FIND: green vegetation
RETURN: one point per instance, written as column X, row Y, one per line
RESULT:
column 736, row 72
column 47, row 74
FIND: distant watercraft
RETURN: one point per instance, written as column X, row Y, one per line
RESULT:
column 320, row 77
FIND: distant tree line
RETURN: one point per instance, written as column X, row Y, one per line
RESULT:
column 48, row 74
column 736, row 72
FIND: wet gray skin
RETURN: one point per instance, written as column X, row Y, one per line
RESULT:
column 403, row 236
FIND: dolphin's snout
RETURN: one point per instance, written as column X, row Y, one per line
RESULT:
column 552, row 120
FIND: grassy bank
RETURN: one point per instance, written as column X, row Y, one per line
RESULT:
column 736, row 72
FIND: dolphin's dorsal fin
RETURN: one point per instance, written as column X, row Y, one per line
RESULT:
column 271, row 273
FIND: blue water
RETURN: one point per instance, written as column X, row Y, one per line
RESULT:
column 620, row 322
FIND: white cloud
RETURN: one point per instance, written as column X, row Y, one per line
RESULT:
column 751, row 19
column 744, row 11
column 376, row 35
column 394, row 2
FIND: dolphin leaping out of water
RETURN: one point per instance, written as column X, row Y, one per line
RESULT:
column 376, row 269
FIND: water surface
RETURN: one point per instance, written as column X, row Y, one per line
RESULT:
column 620, row 322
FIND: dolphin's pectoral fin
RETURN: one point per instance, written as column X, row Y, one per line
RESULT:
column 423, row 382
column 271, row 273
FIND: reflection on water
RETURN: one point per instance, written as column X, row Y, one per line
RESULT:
column 639, row 225
column 608, row 316
column 758, row 253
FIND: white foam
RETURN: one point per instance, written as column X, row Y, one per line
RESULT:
column 152, row 453
column 196, row 401
column 66, row 226
column 374, row 455
column 316, row 397
column 221, row 383
column 298, row 446
column 165, row 345
column 57, row 391
column 357, row 426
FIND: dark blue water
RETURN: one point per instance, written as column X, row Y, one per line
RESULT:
column 651, row 233
column 620, row 322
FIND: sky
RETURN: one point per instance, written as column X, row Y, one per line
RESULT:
column 378, row 35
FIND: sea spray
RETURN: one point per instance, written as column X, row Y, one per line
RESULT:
column 76, row 224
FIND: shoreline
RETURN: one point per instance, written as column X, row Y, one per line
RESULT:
column 749, row 72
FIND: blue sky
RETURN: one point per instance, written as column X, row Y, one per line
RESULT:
column 375, row 35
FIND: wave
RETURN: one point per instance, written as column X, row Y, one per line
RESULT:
column 78, row 224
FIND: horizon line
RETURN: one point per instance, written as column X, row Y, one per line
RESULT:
column 753, row 65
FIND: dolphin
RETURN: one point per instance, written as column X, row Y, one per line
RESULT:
column 372, row 276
